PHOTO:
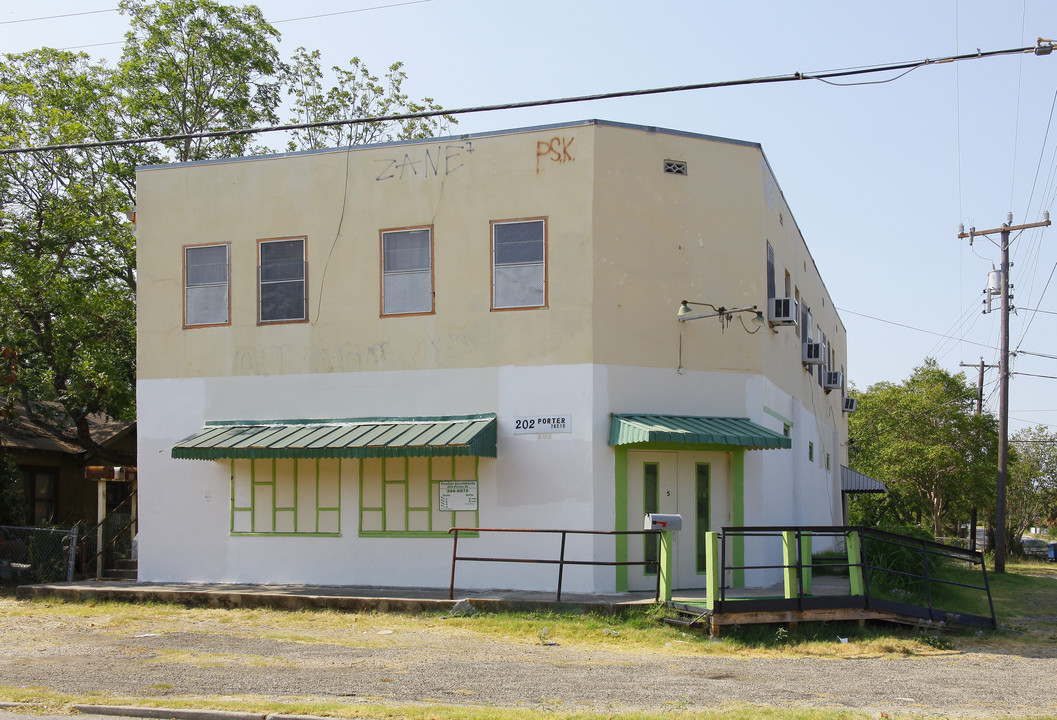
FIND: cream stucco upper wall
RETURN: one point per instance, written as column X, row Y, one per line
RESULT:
column 457, row 186
column 663, row 238
column 626, row 243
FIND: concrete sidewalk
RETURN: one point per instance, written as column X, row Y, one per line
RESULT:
column 348, row 598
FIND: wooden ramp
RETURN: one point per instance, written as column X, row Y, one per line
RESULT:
column 697, row 616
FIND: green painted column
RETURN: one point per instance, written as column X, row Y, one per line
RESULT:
column 620, row 522
column 789, row 560
column 666, row 566
column 713, row 569
column 854, row 547
column 738, row 510
column 805, row 550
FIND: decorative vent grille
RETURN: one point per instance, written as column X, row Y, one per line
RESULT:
column 675, row 167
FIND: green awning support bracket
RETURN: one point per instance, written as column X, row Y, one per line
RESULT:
column 464, row 435
column 690, row 430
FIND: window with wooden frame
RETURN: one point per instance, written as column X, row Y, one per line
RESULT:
column 282, row 280
column 407, row 271
column 519, row 264
column 417, row 496
column 207, row 285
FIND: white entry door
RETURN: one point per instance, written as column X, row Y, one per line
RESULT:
column 696, row 485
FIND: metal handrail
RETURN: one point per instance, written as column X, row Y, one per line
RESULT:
column 89, row 533
column 928, row 549
column 561, row 562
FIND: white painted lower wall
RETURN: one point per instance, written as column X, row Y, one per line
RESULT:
column 562, row 481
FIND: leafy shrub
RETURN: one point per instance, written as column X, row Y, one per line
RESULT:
column 897, row 566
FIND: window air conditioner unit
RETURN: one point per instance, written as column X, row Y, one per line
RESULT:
column 850, row 404
column 782, row 311
column 833, row 380
column 813, row 354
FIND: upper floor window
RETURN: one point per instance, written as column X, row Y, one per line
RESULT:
column 770, row 272
column 407, row 271
column 519, row 264
column 282, row 274
column 207, row 298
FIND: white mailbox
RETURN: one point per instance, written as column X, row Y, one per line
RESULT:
column 660, row 521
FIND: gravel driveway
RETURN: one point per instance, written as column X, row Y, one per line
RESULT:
column 188, row 658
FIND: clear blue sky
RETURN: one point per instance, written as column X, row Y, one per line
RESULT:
column 877, row 176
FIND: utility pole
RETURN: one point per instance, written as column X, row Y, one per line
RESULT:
column 979, row 409
column 1003, row 377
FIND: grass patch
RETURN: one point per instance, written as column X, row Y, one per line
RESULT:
column 53, row 703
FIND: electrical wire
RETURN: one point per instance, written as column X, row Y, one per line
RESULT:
column 1042, row 153
column 873, row 82
column 1016, row 122
column 1045, row 287
column 56, row 17
column 765, row 80
column 911, row 327
column 1035, row 354
column 359, row 10
column 272, row 22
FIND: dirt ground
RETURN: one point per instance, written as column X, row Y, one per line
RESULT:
column 201, row 655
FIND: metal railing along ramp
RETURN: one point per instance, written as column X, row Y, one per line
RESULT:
column 864, row 574
column 791, row 574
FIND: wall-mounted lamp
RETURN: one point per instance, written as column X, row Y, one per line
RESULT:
column 686, row 314
column 724, row 314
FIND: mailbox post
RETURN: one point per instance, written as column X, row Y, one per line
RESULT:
column 667, row 524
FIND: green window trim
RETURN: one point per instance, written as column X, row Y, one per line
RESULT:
column 651, row 500
column 428, row 510
column 703, row 521
column 253, row 482
column 778, row 416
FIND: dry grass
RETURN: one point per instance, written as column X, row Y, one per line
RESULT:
column 1025, row 598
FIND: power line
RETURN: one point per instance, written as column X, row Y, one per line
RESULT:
column 1034, row 354
column 273, row 22
column 1042, row 48
column 349, row 12
column 56, row 17
column 911, row 327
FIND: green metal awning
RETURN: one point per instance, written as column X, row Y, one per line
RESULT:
column 690, row 430
column 351, row 438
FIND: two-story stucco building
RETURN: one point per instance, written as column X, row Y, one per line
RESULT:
column 344, row 353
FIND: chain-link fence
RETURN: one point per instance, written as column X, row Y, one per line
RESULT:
column 37, row 555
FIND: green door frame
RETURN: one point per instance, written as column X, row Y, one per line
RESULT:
column 737, row 470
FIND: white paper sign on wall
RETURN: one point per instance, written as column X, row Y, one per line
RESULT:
column 458, row 495
column 542, row 424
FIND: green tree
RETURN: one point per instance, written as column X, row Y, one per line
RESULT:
column 67, row 255
column 13, row 502
column 357, row 94
column 67, row 248
column 923, row 438
column 1032, row 488
column 190, row 66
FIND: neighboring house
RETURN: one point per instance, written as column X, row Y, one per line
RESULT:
column 344, row 353
column 52, row 473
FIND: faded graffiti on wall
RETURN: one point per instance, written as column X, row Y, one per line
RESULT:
column 426, row 162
